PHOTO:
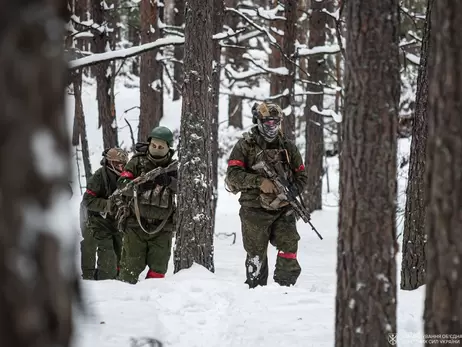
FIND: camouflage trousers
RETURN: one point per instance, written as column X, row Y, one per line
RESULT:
column 88, row 248
column 140, row 250
column 109, row 248
column 261, row 227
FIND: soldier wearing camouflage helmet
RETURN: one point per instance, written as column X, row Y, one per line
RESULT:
column 150, row 225
column 101, row 228
column 264, row 218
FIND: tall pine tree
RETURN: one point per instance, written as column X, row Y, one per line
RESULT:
column 366, row 267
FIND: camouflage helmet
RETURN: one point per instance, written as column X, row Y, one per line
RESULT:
column 264, row 110
column 162, row 133
column 117, row 155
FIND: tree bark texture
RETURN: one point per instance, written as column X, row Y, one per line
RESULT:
column 178, row 20
column 234, row 57
column 79, row 136
column 218, row 18
column 288, row 81
column 275, row 59
column 151, row 79
column 104, row 76
column 314, row 125
column 413, row 263
column 443, row 181
column 366, row 266
column 194, row 242
column 38, row 282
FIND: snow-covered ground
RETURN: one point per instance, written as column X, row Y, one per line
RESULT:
column 196, row 308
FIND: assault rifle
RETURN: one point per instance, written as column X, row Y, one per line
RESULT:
column 148, row 176
column 286, row 192
column 118, row 195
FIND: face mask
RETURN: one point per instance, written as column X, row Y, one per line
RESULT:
column 158, row 148
column 269, row 128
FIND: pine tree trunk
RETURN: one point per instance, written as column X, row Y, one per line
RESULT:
column 37, row 269
column 218, row 17
column 314, row 125
column 194, row 242
column 413, row 264
column 234, row 57
column 366, row 267
column 80, row 129
column 151, row 81
column 178, row 20
column 443, row 181
column 104, row 77
column 275, row 59
column 288, row 81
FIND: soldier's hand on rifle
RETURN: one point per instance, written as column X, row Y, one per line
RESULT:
column 267, row 186
column 144, row 187
column 163, row 180
column 111, row 207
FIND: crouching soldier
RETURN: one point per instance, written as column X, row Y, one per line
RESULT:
column 265, row 218
column 101, row 225
column 150, row 223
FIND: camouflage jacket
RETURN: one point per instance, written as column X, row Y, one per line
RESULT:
column 247, row 152
column 155, row 204
column 99, row 187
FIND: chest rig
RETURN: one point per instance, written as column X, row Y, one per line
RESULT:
column 159, row 196
column 277, row 159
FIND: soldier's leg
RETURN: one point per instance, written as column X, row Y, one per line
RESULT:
column 159, row 252
column 88, row 254
column 255, row 225
column 284, row 237
column 134, row 252
column 107, row 259
column 117, row 240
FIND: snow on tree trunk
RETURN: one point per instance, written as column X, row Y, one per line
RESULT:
column 37, row 270
column 234, row 57
column 218, row 16
column 443, row 181
column 413, row 263
column 151, row 80
column 104, row 75
column 366, row 265
column 178, row 20
column 288, row 80
column 79, row 135
column 314, row 126
column 194, row 234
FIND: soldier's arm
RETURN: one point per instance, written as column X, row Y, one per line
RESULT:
column 237, row 172
column 92, row 198
column 130, row 172
column 301, row 178
column 173, row 184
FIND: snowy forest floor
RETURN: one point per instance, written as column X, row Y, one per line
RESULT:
column 196, row 308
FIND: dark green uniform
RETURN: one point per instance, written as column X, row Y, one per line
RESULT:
column 156, row 208
column 101, row 225
column 88, row 247
column 261, row 225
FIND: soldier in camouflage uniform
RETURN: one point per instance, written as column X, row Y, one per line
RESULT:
column 150, row 225
column 101, row 228
column 262, row 220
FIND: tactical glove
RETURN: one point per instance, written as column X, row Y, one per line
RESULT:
column 144, row 187
column 111, row 207
column 267, row 186
column 163, row 180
